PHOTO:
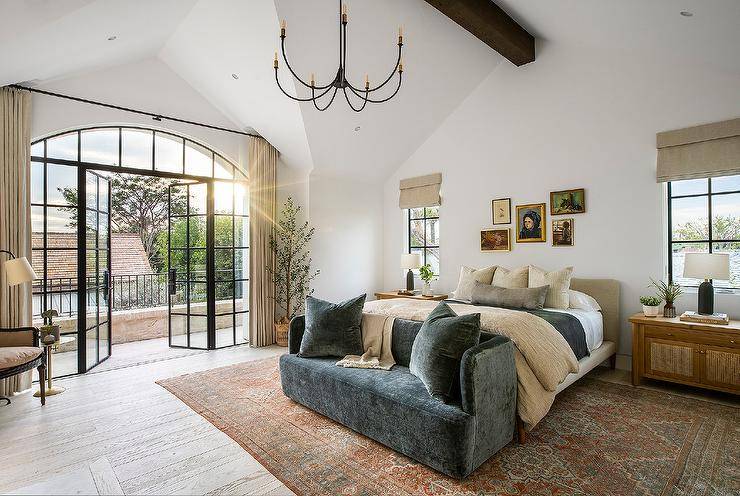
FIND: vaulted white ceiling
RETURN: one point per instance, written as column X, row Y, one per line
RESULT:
column 206, row 41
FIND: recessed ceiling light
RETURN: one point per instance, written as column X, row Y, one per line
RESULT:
column 111, row 38
column 357, row 128
column 235, row 76
column 686, row 13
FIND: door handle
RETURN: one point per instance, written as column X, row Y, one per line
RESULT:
column 106, row 284
column 171, row 278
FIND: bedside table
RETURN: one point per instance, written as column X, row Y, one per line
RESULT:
column 701, row 355
column 387, row 295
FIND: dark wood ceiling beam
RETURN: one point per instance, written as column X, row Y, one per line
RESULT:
column 489, row 23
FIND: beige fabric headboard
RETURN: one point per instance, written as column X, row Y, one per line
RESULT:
column 606, row 292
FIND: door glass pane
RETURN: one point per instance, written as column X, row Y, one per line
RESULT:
column 241, row 295
column 224, row 330
column 61, row 269
column 241, row 264
column 37, row 226
column 198, row 160
column 179, row 330
column 224, row 230
column 198, row 298
column 197, row 233
column 198, row 336
column 61, row 184
column 65, row 355
column 91, row 347
column 37, row 149
column 689, row 218
column 198, row 198
column 241, row 199
column 91, row 191
column 223, row 197
column 178, row 232
column 241, row 233
column 104, row 339
column 242, row 328
column 178, row 200
column 91, row 230
column 168, row 153
column 63, row 223
column 103, row 230
column 224, row 264
column 100, row 146
column 198, row 265
column 136, row 148
column 63, row 147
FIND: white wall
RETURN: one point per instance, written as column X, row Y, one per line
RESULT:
column 571, row 119
column 347, row 246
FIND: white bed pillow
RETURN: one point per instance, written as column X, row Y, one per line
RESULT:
column 558, row 282
column 468, row 277
column 582, row 301
column 511, row 279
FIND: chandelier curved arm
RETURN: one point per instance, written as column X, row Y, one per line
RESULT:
column 331, row 100
column 346, row 97
column 400, row 76
column 285, row 58
column 393, row 73
column 297, row 99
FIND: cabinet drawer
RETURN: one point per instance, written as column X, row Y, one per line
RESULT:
column 713, row 338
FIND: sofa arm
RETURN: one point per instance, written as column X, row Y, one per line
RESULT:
column 295, row 333
column 488, row 384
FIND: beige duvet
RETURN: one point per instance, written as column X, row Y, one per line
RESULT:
column 543, row 357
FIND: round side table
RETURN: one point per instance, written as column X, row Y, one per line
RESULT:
column 50, row 389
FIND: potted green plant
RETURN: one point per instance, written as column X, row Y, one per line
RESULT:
column 49, row 329
column 426, row 274
column 292, row 273
column 650, row 305
column 668, row 292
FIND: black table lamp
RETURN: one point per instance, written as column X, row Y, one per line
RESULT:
column 707, row 266
column 410, row 261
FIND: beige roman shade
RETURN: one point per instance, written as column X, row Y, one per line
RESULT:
column 422, row 191
column 709, row 150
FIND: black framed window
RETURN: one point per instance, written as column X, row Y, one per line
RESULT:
column 704, row 217
column 423, row 234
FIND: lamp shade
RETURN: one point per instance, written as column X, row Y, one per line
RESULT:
column 18, row 271
column 410, row 260
column 707, row 266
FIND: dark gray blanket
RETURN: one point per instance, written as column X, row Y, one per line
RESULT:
column 567, row 325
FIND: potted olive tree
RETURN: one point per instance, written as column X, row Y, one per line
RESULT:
column 292, row 274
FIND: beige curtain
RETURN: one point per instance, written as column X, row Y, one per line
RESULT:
column 15, row 213
column 422, row 191
column 262, row 178
column 698, row 152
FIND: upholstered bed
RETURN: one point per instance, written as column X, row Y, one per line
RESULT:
column 545, row 356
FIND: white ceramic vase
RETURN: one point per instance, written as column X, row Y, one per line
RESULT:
column 651, row 311
column 426, row 289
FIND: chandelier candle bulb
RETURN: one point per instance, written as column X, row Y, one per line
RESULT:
column 344, row 13
column 313, row 80
column 400, row 35
column 275, row 62
column 283, row 25
column 367, row 82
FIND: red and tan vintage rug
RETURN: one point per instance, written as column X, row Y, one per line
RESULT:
column 599, row 438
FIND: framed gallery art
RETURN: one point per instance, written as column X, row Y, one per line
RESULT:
column 570, row 201
column 531, row 226
column 495, row 239
column 562, row 232
column 501, row 211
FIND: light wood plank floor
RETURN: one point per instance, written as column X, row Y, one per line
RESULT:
column 117, row 432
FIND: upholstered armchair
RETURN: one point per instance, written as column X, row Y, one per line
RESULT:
column 20, row 351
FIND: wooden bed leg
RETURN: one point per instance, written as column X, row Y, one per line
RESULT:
column 521, row 433
column 613, row 361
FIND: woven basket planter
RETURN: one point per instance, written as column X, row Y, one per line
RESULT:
column 281, row 334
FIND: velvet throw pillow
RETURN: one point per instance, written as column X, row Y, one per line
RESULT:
column 332, row 329
column 525, row 298
column 438, row 348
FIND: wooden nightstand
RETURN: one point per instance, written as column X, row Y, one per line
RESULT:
column 387, row 295
column 702, row 355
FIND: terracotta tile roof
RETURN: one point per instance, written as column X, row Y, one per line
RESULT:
column 128, row 255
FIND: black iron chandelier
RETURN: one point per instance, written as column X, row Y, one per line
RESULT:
column 361, row 96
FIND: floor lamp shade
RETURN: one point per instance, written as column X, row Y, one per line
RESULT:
column 706, row 266
column 18, row 271
column 410, row 261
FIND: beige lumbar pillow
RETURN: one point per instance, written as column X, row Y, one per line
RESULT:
column 515, row 278
column 468, row 277
column 558, row 282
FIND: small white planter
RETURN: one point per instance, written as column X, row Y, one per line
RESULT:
column 426, row 289
column 651, row 311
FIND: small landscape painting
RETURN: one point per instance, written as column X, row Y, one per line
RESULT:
column 571, row 201
column 495, row 240
column 531, row 225
column 562, row 232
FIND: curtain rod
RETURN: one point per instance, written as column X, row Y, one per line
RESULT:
column 156, row 117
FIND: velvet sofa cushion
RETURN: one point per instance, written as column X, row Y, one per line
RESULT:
column 494, row 296
column 332, row 329
column 438, row 348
